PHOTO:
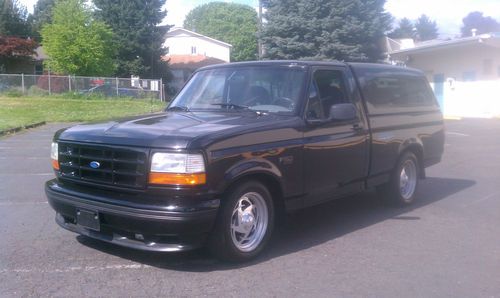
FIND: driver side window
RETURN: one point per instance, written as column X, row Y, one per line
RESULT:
column 327, row 88
column 314, row 109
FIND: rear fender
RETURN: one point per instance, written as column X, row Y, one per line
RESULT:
column 416, row 146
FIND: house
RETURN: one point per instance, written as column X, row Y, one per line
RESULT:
column 29, row 66
column 182, row 66
column 464, row 72
column 188, row 50
column 180, row 41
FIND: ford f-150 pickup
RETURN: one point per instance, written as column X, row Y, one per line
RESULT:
column 241, row 143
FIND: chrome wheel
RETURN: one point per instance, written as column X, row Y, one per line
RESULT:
column 249, row 221
column 408, row 179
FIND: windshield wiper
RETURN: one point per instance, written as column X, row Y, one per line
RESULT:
column 230, row 105
column 178, row 108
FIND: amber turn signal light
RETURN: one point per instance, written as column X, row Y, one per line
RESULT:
column 55, row 164
column 177, row 179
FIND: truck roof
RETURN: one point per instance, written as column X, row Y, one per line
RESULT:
column 381, row 66
column 312, row 63
column 274, row 63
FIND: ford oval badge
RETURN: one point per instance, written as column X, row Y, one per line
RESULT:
column 94, row 164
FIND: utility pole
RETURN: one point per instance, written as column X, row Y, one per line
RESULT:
column 260, row 31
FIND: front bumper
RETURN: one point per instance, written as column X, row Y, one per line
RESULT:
column 152, row 229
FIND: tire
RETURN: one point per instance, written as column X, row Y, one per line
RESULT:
column 244, row 224
column 401, row 189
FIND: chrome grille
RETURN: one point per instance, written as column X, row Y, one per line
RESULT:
column 117, row 166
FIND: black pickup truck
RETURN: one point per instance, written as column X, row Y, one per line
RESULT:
column 241, row 143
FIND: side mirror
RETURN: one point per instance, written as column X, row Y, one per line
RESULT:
column 343, row 112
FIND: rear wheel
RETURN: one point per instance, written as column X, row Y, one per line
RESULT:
column 404, row 181
column 244, row 224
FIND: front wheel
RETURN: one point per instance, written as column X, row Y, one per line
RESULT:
column 404, row 181
column 244, row 224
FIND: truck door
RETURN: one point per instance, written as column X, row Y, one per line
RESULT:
column 335, row 153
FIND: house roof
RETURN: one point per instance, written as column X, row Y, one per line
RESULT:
column 492, row 39
column 177, row 30
column 190, row 61
column 40, row 54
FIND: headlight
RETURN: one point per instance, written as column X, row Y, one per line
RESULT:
column 177, row 169
column 54, row 155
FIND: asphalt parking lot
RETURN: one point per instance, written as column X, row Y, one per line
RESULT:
column 446, row 245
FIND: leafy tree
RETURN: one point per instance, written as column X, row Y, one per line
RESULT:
column 325, row 29
column 476, row 20
column 426, row 28
column 404, row 29
column 14, row 19
column 42, row 15
column 77, row 43
column 236, row 24
column 138, row 38
column 15, row 48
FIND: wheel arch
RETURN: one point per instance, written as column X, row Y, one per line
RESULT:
column 417, row 149
column 270, row 181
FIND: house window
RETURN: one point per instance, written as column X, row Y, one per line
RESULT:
column 193, row 50
column 38, row 69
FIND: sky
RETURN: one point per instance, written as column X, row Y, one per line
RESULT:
column 447, row 13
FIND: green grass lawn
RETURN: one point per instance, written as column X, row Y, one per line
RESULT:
column 21, row 111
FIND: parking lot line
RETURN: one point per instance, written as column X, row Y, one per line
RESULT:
column 26, row 174
column 10, row 203
column 76, row 268
column 457, row 134
column 483, row 199
column 23, row 157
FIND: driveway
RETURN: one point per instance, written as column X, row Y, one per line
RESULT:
column 446, row 245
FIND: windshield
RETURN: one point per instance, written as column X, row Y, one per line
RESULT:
column 267, row 89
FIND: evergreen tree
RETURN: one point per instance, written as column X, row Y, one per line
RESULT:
column 476, row 20
column 405, row 29
column 426, row 28
column 236, row 24
column 76, row 43
column 42, row 15
column 14, row 19
column 325, row 29
column 138, row 38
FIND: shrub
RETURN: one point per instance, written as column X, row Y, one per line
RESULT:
column 14, row 92
column 36, row 91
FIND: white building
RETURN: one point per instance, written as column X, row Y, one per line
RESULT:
column 180, row 41
column 187, row 51
column 464, row 72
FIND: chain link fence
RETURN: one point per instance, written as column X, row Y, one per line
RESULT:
column 48, row 84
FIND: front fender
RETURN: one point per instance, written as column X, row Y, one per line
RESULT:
column 250, row 167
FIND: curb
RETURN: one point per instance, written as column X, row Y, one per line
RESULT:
column 19, row 128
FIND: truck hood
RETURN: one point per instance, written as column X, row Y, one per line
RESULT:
column 174, row 130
